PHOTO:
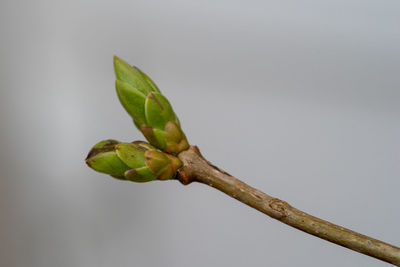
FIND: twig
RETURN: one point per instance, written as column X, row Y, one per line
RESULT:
column 142, row 162
column 197, row 169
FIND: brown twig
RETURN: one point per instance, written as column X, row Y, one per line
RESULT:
column 197, row 169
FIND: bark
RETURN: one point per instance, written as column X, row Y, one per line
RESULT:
column 197, row 169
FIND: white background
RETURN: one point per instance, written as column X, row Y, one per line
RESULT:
column 297, row 98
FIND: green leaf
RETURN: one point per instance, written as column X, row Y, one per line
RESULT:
column 149, row 81
column 173, row 132
column 102, row 146
column 148, row 132
column 105, row 144
column 131, row 75
column 131, row 154
column 158, row 111
column 160, row 137
column 107, row 162
column 157, row 161
column 140, row 175
column 138, row 124
column 144, row 144
column 132, row 100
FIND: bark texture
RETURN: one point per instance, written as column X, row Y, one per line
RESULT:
column 197, row 169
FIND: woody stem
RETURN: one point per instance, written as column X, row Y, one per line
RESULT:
column 197, row 169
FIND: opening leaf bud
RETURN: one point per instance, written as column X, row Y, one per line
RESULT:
column 151, row 111
column 137, row 161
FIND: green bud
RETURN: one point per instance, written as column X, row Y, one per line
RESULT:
column 133, row 76
column 151, row 111
column 102, row 158
column 137, row 161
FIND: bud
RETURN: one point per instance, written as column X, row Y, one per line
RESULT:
column 137, row 161
column 151, row 111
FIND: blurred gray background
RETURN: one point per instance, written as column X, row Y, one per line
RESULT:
column 297, row 98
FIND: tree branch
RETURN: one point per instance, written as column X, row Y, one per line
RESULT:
column 197, row 169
